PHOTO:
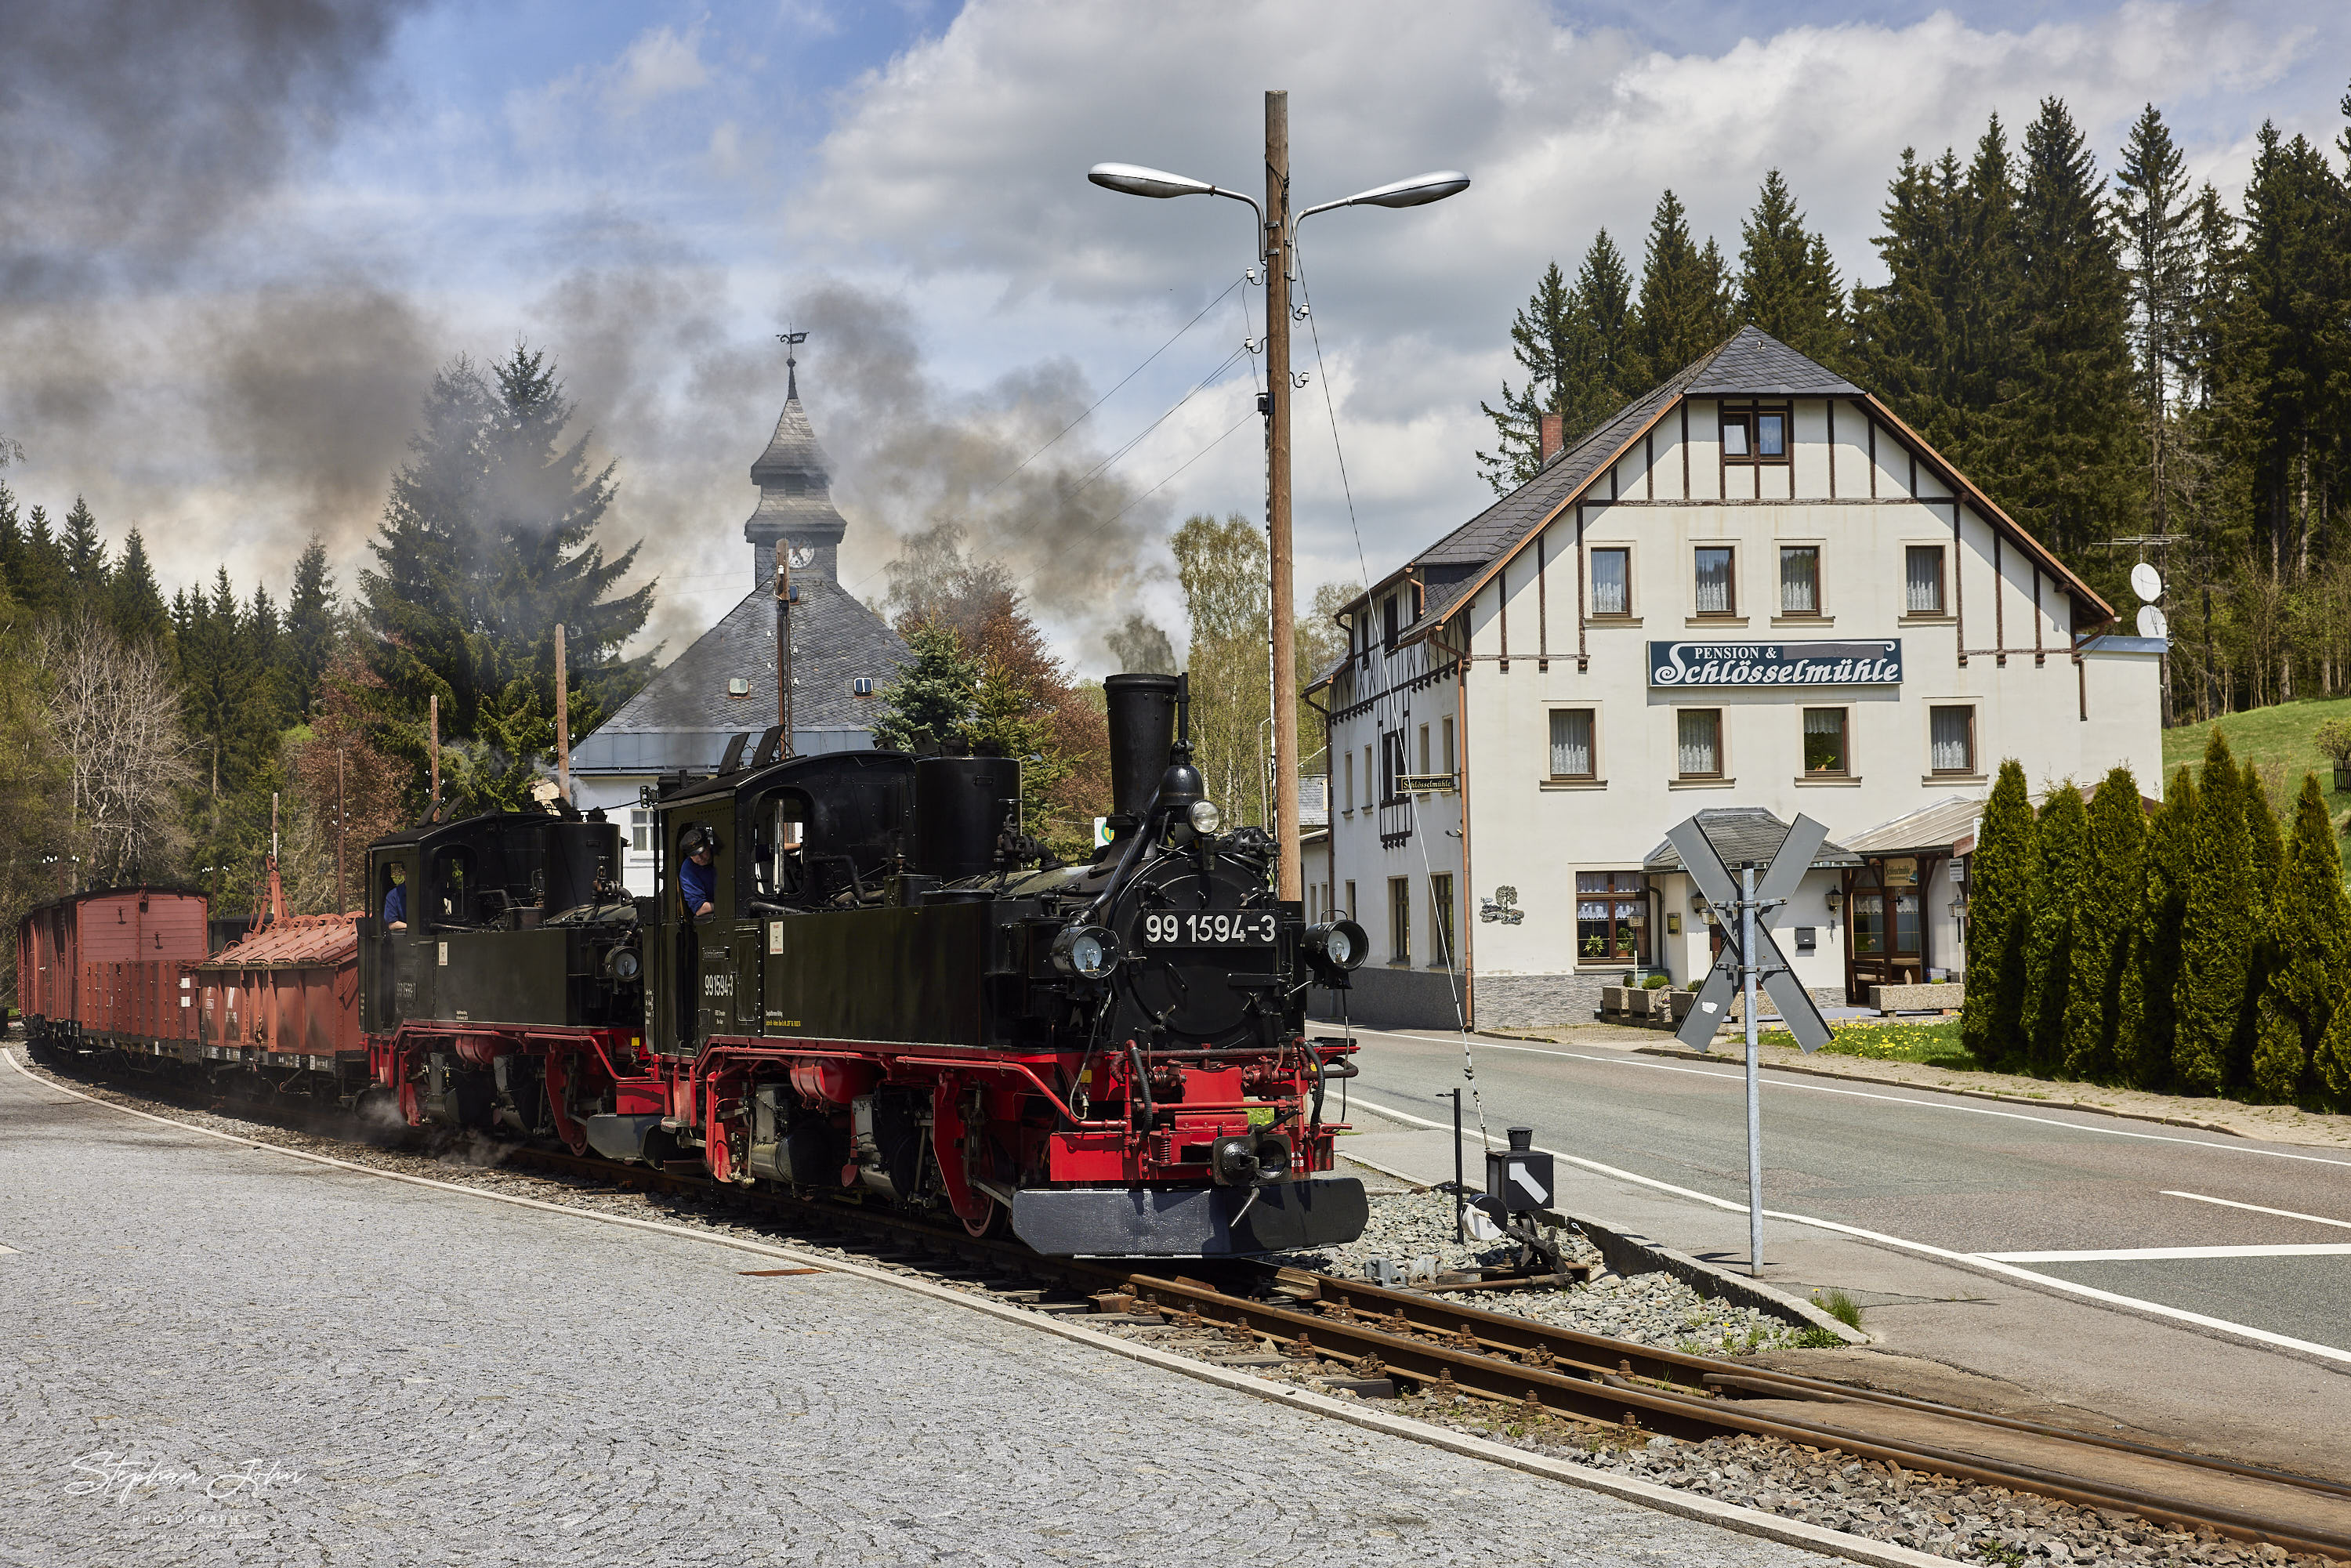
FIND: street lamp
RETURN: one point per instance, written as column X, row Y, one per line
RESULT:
column 1277, row 243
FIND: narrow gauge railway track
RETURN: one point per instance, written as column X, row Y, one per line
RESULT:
column 1431, row 1344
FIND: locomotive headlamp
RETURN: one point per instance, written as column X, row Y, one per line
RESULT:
column 623, row 963
column 1086, row 952
column 1203, row 817
column 1334, row 948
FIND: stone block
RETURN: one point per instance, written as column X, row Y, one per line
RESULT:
column 1891, row 1000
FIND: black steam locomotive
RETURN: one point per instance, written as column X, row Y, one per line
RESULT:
column 883, row 988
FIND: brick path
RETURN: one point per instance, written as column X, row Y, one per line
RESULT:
column 362, row 1372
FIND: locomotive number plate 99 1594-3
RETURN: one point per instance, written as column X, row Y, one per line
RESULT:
column 1208, row 927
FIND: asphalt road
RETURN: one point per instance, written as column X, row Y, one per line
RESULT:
column 1941, row 1170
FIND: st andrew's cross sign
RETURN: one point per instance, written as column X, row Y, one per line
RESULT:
column 1748, row 954
column 1755, row 912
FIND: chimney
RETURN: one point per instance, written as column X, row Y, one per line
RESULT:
column 1551, row 437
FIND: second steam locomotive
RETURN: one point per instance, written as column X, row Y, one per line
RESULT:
column 858, row 978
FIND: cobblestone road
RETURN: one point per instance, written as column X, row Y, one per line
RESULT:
column 214, row 1355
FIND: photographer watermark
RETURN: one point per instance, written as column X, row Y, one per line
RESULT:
column 119, row 1477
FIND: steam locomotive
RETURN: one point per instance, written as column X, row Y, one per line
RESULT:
column 884, row 991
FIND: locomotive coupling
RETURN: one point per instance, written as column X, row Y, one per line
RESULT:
column 1250, row 1159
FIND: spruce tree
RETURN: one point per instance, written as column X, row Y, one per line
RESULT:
column 134, row 603
column 310, row 625
column 1685, row 311
column 2102, row 1007
column 2310, row 940
column 2265, row 852
column 930, row 701
column 2056, row 892
column 2145, row 1060
column 42, row 586
column 2000, row 911
column 2069, row 475
column 85, row 557
column 1572, row 344
column 1787, row 284
column 2216, row 933
column 2153, row 209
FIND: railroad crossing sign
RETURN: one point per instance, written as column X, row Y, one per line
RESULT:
column 1736, row 899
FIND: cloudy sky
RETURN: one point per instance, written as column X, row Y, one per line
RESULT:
column 235, row 240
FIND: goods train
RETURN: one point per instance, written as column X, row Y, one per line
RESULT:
column 861, row 978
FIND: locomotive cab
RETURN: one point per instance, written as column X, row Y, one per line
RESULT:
column 509, row 918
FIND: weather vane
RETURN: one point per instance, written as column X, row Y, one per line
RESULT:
column 791, row 342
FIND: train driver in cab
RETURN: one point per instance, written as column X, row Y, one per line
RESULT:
column 395, row 902
column 697, row 874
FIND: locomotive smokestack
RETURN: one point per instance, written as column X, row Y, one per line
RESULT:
column 1142, row 728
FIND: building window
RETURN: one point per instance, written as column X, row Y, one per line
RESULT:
column 1612, row 583
column 1399, row 920
column 1800, row 579
column 1716, row 594
column 1446, row 726
column 1350, row 780
column 1371, row 778
column 1612, row 917
column 1571, row 744
column 1440, row 920
column 1825, row 741
column 1951, row 739
column 1755, row 435
column 1923, row 580
column 1388, row 623
column 1351, row 901
column 1698, row 731
column 641, row 832
column 1424, row 750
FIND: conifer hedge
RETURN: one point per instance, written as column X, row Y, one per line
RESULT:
column 2200, row 947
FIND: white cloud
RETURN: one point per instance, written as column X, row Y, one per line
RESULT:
column 963, row 158
column 658, row 63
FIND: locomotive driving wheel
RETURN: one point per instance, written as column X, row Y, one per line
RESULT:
column 995, row 1220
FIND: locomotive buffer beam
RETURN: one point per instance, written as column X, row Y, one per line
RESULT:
column 1191, row 1222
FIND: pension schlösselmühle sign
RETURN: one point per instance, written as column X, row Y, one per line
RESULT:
column 1876, row 661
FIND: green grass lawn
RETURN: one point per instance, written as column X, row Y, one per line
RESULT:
column 1933, row 1044
column 2277, row 740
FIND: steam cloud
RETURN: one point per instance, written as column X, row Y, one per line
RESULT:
column 911, row 455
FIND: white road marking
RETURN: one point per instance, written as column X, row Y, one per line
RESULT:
column 2257, row 1209
column 1732, row 1070
column 1966, row 1259
column 4, row 1251
column 2140, row 1254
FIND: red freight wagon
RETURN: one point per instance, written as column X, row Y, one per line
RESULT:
column 288, row 992
column 109, row 966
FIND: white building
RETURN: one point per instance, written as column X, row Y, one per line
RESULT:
column 1754, row 588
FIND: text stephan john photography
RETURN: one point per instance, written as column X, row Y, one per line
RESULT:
column 1877, row 662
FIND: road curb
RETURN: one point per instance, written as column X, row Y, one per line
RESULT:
column 1626, row 1489
column 1628, row 1253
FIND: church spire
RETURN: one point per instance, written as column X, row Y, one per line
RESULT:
column 795, row 484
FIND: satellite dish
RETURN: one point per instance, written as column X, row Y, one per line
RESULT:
column 2147, row 582
column 2151, row 622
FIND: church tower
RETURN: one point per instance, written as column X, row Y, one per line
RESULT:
column 795, row 505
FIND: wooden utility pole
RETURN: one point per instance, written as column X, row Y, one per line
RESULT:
column 341, row 813
column 1275, row 249
column 784, row 642
column 432, row 753
column 563, row 718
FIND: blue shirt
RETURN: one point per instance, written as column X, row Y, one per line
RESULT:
column 395, row 904
column 697, row 884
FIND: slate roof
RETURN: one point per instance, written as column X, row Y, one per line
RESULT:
column 1744, row 834
column 835, row 639
column 1751, row 364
